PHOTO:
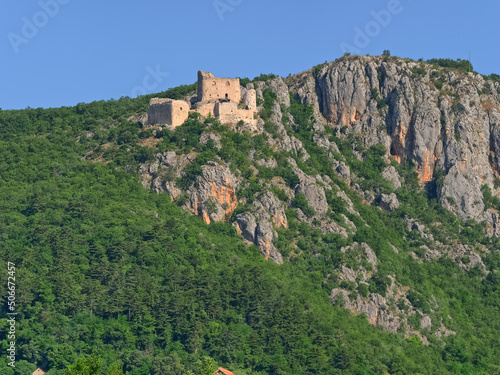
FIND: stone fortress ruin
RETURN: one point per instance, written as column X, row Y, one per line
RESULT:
column 221, row 98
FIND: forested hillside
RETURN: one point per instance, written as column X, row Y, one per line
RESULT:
column 373, row 271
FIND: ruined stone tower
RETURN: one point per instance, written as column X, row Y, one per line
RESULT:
column 211, row 88
column 218, row 97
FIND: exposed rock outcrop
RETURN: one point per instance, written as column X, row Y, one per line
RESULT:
column 206, row 137
column 389, row 202
column 444, row 124
column 213, row 195
column 275, row 207
column 342, row 169
column 279, row 87
column 453, row 128
column 161, row 175
column 314, row 193
column 390, row 173
column 257, row 228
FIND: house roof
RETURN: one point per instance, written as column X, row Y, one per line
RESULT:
column 38, row 371
column 224, row 371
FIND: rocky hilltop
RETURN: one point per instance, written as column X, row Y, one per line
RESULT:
column 315, row 130
column 443, row 121
column 351, row 227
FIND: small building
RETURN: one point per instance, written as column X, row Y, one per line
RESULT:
column 39, row 371
column 223, row 371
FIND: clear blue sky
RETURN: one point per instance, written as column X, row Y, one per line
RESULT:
column 71, row 51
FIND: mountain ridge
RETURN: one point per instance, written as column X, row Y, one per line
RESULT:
column 360, row 238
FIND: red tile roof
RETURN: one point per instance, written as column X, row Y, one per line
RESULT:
column 223, row 370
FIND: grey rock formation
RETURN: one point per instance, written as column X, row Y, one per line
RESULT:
column 390, row 173
column 430, row 254
column 161, row 174
column 141, row 118
column 370, row 255
column 269, row 163
column 462, row 194
column 361, row 252
column 279, row 87
column 205, row 137
column 375, row 308
column 350, row 205
column 285, row 141
column 303, row 87
column 380, row 311
column 275, row 207
column 325, row 144
column 389, row 202
column 492, row 223
column 257, row 228
column 342, row 169
column 426, row 323
column 314, row 193
column 420, row 228
column 466, row 257
column 453, row 129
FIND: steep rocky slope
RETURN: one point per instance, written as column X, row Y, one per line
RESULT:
column 453, row 128
column 319, row 239
column 395, row 115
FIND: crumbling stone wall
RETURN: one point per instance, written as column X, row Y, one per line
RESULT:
column 167, row 111
column 250, row 100
column 180, row 112
column 228, row 113
column 211, row 88
column 205, row 108
column 219, row 97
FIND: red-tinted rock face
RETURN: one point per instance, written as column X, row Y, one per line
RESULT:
column 213, row 196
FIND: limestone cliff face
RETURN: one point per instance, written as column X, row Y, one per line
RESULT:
column 441, row 120
column 213, row 195
column 161, row 175
column 454, row 128
column 447, row 123
column 256, row 228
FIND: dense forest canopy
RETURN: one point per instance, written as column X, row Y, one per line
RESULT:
column 110, row 271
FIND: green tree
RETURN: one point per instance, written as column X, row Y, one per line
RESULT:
column 206, row 366
column 115, row 369
column 300, row 201
column 24, row 367
column 85, row 366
